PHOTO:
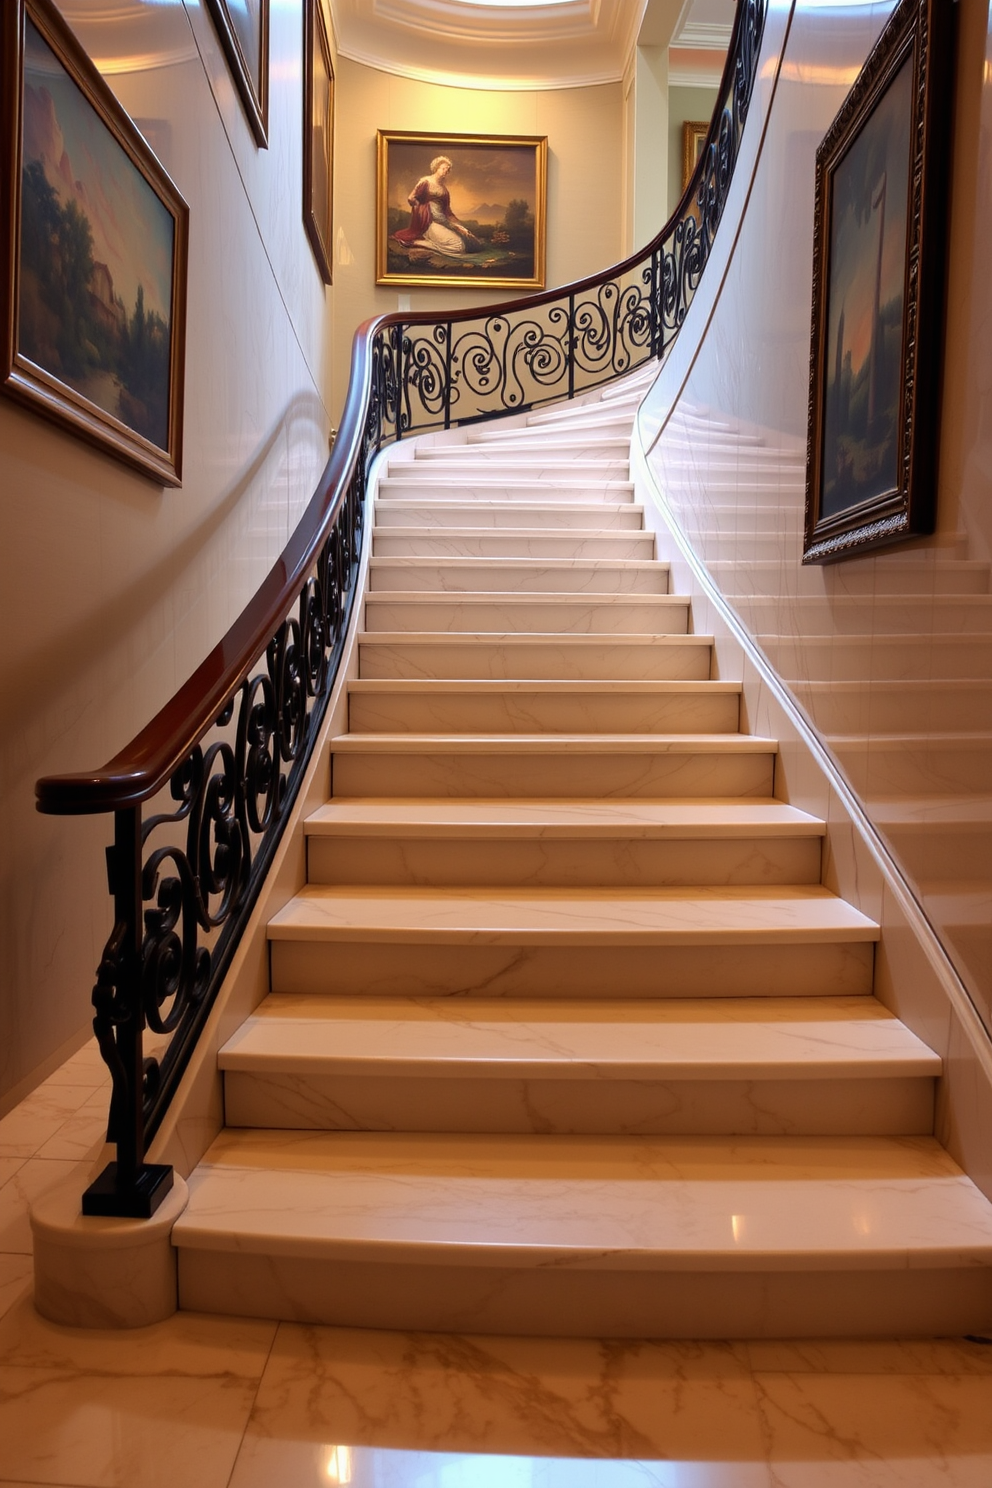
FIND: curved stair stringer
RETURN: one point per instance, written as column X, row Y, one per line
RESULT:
column 566, row 1035
column 914, row 976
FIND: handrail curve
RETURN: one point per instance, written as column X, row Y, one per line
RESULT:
column 223, row 760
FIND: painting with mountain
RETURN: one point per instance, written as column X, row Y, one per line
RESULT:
column 98, row 295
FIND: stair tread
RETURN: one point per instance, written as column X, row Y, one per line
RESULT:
column 779, row 1039
column 692, row 915
column 592, row 688
column 627, row 819
column 516, row 744
column 530, row 638
column 598, row 1203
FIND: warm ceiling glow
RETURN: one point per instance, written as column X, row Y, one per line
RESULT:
column 505, row 4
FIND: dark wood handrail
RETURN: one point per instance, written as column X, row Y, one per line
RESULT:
column 144, row 766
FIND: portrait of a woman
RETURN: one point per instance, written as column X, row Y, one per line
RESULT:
column 432, row 222
column 460, row 209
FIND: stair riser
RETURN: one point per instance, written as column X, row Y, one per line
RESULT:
column 498, row 713
column 556, row 775
column 481, row 576
column 592, row 493
column 503, row 660
column 518, row 617
column 485, row 515
column 810, row 968
column 943, row 853
column 372, row 1102
column 588, row 862
column 637, row 545
column 546, row 1302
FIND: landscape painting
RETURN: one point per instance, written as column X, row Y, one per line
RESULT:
column 879, row 249
column 97, row 296
column 461, row 210
column 866, row 303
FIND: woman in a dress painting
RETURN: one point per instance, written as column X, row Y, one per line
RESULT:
column 432, row 222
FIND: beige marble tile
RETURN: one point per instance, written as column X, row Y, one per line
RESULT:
column 32, row 1178
column 689, row 1404
column 160, row 1406
column 914, row 1430
column 24, row 1129
column 15, row 1278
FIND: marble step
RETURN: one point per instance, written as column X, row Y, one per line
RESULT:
column 458, row 461
column 480, row 655
column 441, row 706
column 555, row 515
column 526, row 575
column 878, row 657
column 615, row 419
column 601, row 1236
column 503, row 488
column 510, row 843
column 914, row 765
column 849, row 614
column 889, row 707
column 864, row 576
column 696, row 941
column 548, row 614
column 826, row 1066
column 508, row 542
column 593, row 442
column 552, row 765
column 583, row 516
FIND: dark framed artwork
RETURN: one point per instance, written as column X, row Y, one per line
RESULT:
column 243, row 28
column 94, row 247
column 878, row 270
column 694, row 135
column 318, row 137
column 461, row 209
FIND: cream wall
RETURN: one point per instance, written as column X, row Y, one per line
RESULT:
column 112, row 589
column 584, row 130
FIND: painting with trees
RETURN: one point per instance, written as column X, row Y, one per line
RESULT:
column 96, row 275
column 879, row 236
column 461, row 210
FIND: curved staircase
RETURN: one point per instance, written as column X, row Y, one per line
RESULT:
column 565, row 1035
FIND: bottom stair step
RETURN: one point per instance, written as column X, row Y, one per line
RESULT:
column 700, row 1237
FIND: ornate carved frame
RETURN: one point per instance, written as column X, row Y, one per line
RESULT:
column 922, row 30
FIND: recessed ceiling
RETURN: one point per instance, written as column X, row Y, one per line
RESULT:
column 469, row 43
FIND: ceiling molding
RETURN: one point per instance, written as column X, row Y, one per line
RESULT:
column 582, row 43
column 704, row 36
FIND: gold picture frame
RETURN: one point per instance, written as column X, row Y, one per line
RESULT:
column 694, row 132
column 486, row 230
column 318, row 137
column 94, row 316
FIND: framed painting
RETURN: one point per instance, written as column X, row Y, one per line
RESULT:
column 243, row 28
column 94, row 245
column 318, row 137
column 461, row 209
column 694, row 135
column 878, row 282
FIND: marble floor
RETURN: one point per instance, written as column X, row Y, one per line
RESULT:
column 206, row 1402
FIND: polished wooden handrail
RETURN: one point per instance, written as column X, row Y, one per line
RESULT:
column 145, row 765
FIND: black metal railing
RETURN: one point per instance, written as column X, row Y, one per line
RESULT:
column 202, row 794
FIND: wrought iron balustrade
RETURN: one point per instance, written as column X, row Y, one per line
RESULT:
column 202, row 794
